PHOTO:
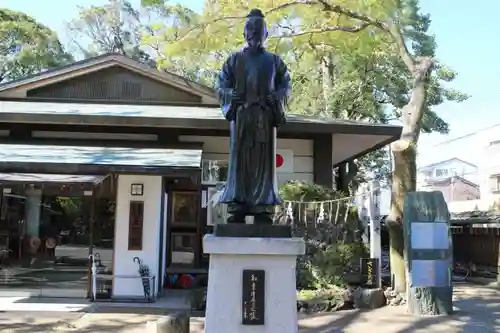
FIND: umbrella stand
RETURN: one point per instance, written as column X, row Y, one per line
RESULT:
column 145, row 277
column 94, row 277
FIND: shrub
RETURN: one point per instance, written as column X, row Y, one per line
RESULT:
column 333, row 243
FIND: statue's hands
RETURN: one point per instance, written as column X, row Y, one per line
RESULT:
column 237, row 98
column 279, row 118
column 231, row 114
column 271, row 99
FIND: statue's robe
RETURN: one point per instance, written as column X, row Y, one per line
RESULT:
column 251, row 185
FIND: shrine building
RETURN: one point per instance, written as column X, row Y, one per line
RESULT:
column 110, row 157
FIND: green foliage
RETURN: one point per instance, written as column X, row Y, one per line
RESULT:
column 305, row 192
column 70, row 205
column 114, row 27
column 140, row 33
column 333, row 245
column 338, row 264
column 395, row 87
column 27, row 47
column 356, row 76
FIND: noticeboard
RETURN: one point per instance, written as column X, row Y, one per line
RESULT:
column 430, row 236
column 370, row 273
column 430, row 273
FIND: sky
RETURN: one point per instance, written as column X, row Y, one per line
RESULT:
column 463, row 29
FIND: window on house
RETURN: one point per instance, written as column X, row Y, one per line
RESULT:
column 441, row 172
column 214, row 171
column 495, row 143
column 495, row 183
column 426, row 174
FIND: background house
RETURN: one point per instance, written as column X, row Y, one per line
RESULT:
column 454, row 177
column 454, row 188
column 447, row 168
column 480, row 148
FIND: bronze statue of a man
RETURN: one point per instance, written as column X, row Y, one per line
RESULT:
column 253, row 89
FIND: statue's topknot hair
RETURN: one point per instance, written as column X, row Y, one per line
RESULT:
column 255, row 13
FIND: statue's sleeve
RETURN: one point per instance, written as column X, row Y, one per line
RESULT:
column 283, row 89
column 224, row 86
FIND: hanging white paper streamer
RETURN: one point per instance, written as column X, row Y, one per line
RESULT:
column 321, row 215
column 289, row 211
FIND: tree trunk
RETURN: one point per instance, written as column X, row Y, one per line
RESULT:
column 327, row 82
column 396, row 256
column 405, row 170
column 402, row 182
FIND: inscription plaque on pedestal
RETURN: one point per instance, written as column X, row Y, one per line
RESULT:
column 253, row 297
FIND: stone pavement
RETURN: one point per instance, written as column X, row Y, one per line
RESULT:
column 478, row 311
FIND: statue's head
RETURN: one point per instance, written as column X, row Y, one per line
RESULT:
column 255, row 29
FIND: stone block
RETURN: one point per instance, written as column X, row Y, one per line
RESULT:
column 253, row 230
column 369, row 298
column 228, row 284
column 173, row 323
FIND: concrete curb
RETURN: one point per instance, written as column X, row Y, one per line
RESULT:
column 173, row 323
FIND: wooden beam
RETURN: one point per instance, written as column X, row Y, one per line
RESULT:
column 322, row 161
column 93, row 169
column 101, row 143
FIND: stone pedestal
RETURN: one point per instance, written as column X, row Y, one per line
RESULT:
column 229, row 257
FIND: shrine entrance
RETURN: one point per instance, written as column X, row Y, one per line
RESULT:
column 49, row 224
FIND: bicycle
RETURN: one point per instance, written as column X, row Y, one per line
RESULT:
column 486, row 273
column 385, row 262
column 460, row 272
column 4, row 257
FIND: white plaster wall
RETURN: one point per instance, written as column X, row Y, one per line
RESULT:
column 123, row 258
column 217, row 148
column 347, row 145
column 487, row 159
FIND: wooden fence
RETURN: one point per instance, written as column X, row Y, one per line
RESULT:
column 476, row 244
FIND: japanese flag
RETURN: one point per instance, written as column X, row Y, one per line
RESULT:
column 284, row 161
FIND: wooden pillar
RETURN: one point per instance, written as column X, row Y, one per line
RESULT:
column 89, row 216
column 322, row 160
column 163, row 226
column 200, row 231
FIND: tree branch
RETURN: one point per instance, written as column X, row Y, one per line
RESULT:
column 393, row 29
column 352, row 29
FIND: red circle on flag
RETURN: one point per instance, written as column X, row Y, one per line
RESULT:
column 279, row 160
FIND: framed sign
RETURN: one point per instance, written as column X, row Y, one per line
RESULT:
column 185, row 209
